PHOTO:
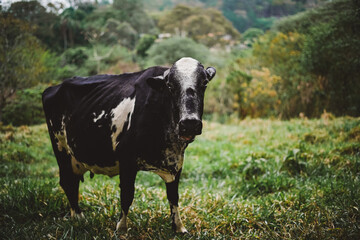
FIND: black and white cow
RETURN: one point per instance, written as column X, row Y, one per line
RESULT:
column 120, row 124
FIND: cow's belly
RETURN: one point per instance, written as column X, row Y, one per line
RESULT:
column 80, row 168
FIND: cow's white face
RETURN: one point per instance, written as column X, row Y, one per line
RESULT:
column 186, row 82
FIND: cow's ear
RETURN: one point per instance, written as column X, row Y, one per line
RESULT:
column 210, row 73
column 157, row 83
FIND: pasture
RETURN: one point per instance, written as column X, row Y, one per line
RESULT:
column 256, row 179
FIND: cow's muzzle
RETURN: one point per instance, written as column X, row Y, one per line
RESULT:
column 189, row 128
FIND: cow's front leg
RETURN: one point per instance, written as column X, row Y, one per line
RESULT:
column 127, row 186
column 173, row 197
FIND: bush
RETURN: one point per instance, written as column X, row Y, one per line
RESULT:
column 76, row 56
column 25, row 108
column 251, row 34
column 86, row 61
column 171, row 50
column 144, row 44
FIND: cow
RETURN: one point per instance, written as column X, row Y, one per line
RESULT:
column 121, row 124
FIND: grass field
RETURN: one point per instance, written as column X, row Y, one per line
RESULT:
column 258, row 179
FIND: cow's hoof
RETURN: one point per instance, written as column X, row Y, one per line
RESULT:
column 181, row 229
column 76, row 215
column 183, row 232
column 121, row 226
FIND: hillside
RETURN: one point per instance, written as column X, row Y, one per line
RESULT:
column 243, row 14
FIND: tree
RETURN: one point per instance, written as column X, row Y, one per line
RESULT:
column 331, row 52
column 71, row 26
column 144, row 44
column 25, row 108
column 171, row 50
column 115, row 32
column 206, row 26
column 281, row 53
column 251, row 35
column 22, row 59
column 173, row 21
column 132, row 11
column 35, row 14
column 110, row 25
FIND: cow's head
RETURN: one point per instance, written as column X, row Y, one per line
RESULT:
column 185, row 82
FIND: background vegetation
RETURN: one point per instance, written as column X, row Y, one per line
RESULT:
column 288, row 60
column 270, row 62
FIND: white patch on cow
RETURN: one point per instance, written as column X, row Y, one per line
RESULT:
column 120, row 114
column 109, row 171
column 186, row 69
column 166, row 176
column 73, row 214
column 51, row 123
column 122, row 225
column 175, row 215
column 77, row 167
column 61, row 136
column 80, row 168
column 99, row 117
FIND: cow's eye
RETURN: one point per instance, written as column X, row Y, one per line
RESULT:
column 170, row 86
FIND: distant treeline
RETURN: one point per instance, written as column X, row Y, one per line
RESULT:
column 244, row 14
column 304, row 64
column 307, row 64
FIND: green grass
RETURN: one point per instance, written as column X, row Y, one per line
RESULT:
column 259, row 179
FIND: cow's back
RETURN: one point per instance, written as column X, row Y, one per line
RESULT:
column 93, row 115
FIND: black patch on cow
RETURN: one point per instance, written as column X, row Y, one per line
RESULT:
column 190, row 92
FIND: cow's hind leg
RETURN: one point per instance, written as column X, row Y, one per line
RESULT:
column 70, row 183
column 127, row 186
column 68, row 180
column 173, row 197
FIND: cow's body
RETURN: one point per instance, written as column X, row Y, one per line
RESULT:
column 118, row 125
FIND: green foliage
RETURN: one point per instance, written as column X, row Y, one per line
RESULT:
column 257, row 179
column 36, row 15
column 93, row 60
column 282, row 54
column 25, row 108
column 121, row 24
column 127, row 7
column 246, row 14
column 251, row 34
column 332, row 50
column 243, row 14
column 318, row 65
column 115, row 32
column 144, row 44
column 71, row 27
column 170, row 50
column 306, row 65
column 76, row 56
column 311, row 66
column 23, row 61
column 206, row 26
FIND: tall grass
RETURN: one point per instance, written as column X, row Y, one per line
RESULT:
column 258, row 179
